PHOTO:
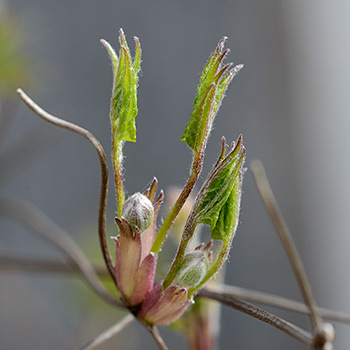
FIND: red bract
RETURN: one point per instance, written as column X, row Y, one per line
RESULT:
column 163, row 307
column 134, row 274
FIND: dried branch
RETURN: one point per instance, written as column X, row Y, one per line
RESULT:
column 262, row 315
column 39, row 223
column 16, row 264
column 286, row 238
column 10, row 264
column 108, row 333
column 276, row 301
column 104, row 170
column 157, row 337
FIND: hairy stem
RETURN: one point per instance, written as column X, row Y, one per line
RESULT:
column 118, row 174
column 186, row 237
column 196, row 169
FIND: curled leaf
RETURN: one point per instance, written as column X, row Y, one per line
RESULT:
column 210, row 92
column 219, row 198
column 124, row 95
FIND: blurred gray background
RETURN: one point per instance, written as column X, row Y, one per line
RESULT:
column 291, row 103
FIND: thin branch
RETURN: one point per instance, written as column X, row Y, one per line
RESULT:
column 103, row 164
column 276, row 301
column 261, row 314
column 15, row 264
column 108, row 333
column 39, row 223
column 157, row 337
column 196, row 168
column 271, row 205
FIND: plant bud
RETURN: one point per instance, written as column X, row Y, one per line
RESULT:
column 192, row 269
column 138, row 211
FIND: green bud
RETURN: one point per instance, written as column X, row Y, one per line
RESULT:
column 138, row 211
column 192, row 269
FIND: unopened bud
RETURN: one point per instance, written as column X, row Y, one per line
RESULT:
column 193, row 269
column 138, row 211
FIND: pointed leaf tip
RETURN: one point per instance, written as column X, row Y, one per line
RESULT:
column 220, row 194
column 218, row 76
column 124, row 96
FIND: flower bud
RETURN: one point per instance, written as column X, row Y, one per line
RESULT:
column 164, row 307
column 138, row 211
column 192, row 269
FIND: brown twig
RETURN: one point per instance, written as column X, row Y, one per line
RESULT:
column 15, row 264
column 39, row 223
column 108, row 333
column 157, row 337
column 271, row 205
column 261, row 314
column 104, row 170
column 276, row 301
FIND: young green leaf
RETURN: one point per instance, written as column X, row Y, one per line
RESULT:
column 223, row 85
column 112, row 55
column 124, row 95
column 123, row 109
column 229, row 213
column 196, row 129
column 137, row 59
column 215, row 79
column 219, row 198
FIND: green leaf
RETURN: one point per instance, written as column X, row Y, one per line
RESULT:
column 124, row 110
column 113, row 56
column 196, row 128
column 229, row 214
column 215, row 79
column 220, row 195
column 223, row 85
column 210, row 70
column 124, row 95
column 137, row 59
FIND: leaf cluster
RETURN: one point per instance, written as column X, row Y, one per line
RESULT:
column 210, row 92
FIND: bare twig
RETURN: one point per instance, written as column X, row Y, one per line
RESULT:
column 104, row 170
column 39, row 223
column 10, row 264
column 15, row 264
column 256, row 312
column 108, row 333
column 286, row 237
column 276, row 301
column 157, row 337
